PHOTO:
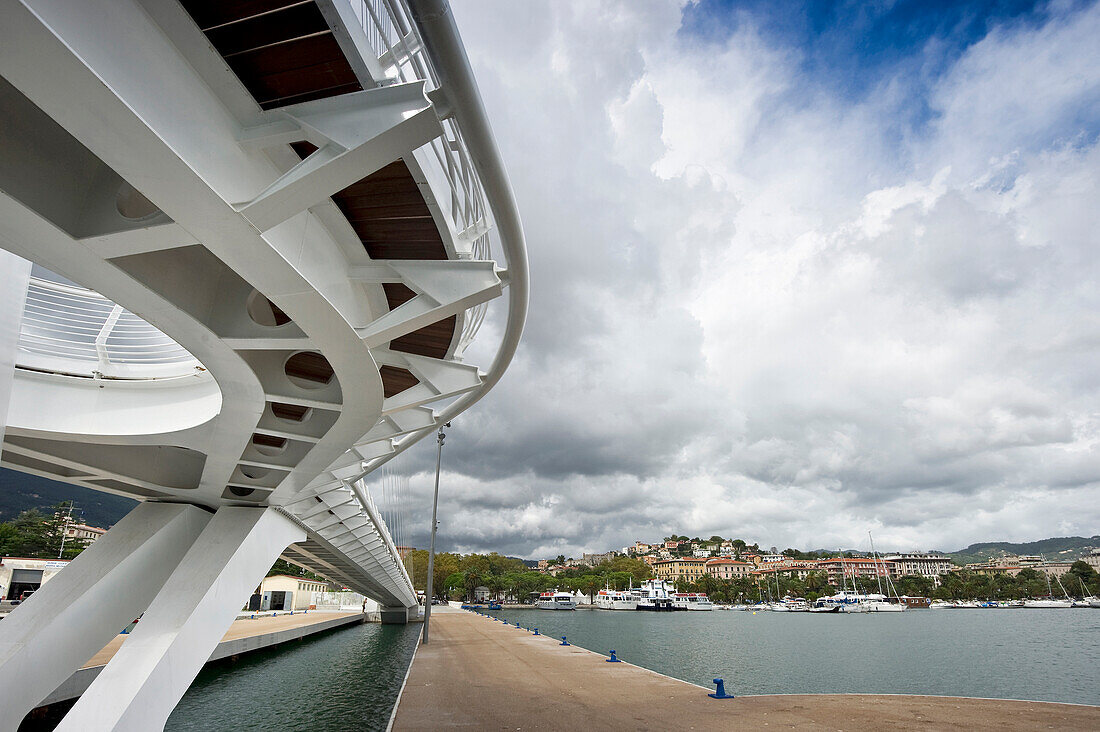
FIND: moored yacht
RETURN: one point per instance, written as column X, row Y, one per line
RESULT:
column 654, row 595
column 691, row 601
column 556, row 601
column 616, row 600
column 1047, row 603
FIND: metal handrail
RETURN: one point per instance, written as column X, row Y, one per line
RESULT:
column 74, row 331
column 396, row 39
column 441, row 46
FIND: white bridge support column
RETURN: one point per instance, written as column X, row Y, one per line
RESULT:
column 48, row 637
column 145, row 680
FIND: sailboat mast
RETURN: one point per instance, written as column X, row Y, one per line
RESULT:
column 878, row 573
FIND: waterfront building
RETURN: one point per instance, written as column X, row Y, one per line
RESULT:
column 992, row 570
column 1028, row 560
column 21, row 574
column 1093, row 559
column 83, row 533
column 837, row 568
column 921, row 565
column 1054, row 569
column 726, row 569
column 283, row 592
column 689, row 568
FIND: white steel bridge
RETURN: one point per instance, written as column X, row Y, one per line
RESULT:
column 277, row 225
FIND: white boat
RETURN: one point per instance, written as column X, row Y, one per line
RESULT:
column 556, row 601
column 616, row 600
column 840, row 599
column 883, row 606
column 778, row 607
column 691, row 601
column 942, row 605
column 1047, row 603
column 654, row 595
column 825, row 609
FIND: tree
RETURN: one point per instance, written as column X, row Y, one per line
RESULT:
column 39, row 535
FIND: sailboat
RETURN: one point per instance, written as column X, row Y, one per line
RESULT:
column 1050, row 602
column 1086, row 600
column 884, row 605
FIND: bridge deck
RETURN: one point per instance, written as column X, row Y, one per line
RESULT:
column 479, row 674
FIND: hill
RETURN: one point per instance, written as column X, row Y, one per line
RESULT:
column 22, row 491
column 1064, row 549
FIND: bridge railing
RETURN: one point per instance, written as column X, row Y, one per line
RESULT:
column 73, row 331
column 418, row 39
column 401, row 52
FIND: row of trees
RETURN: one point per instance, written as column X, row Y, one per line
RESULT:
column 1080, row 580
column 962, row 585
column 456, row 576
column 39, row 535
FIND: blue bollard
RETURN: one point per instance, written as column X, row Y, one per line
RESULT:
column 564, row 642
column 613, row 659
column 720, row 692
column 536, row 631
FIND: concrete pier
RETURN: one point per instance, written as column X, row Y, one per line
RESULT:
column 480, row 674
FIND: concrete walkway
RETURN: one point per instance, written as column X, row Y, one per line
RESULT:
column 479, row 674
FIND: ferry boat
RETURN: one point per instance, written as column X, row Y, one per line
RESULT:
column 691, row 601
column 556, row 601
column 616, row 600
column 654, row 595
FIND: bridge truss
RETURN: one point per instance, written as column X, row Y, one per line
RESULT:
column 267, row 232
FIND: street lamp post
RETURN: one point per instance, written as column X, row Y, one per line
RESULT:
column 431, row 544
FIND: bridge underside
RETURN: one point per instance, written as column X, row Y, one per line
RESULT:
column 273, row 290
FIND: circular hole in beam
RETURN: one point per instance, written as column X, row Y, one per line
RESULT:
column 292, row 413
column 264, row 312
column 309, row 370
column 132, row 205
column 251, row 471
column 269, row 444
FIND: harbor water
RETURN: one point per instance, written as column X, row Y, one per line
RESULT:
column 1046, row 655
column 346, row 679
column 349, row 679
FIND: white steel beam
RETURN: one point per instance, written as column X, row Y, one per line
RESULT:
column 356, row 134
column 439, row 379
column 443, row 288
column 47, row 638
column 140, row 686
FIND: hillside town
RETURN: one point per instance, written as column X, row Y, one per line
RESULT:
column 731, row 570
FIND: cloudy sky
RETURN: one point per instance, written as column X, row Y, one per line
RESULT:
column 798, row 271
